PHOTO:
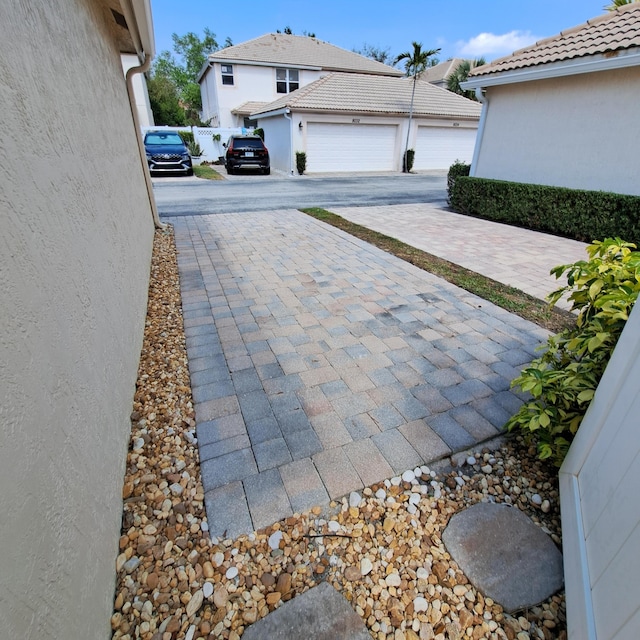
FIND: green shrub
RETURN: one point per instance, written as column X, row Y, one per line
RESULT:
column 407, row 161
column 187, row 137
column 456, row 170
column 563, row 381
column 301, row 161
column 573, row 213
column 194, row 149
column 259, row 132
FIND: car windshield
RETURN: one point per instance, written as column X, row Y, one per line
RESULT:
column 163, row 138
column 247, row 143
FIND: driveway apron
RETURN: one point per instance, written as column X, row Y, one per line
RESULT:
column 321, row 365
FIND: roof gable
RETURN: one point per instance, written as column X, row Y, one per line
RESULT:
column 365, row 93
column 302, row 51
column 441, row 71
column 607, row 34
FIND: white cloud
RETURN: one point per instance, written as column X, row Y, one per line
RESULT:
column 491, row 45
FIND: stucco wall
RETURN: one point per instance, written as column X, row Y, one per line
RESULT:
column 578, row 132
column 74, row 262
column 277, row 138
column 250, row 83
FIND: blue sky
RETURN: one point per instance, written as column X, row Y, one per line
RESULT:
column 461, row 28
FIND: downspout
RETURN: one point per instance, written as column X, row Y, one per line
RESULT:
column 484, row 100
column 129, row 17
column 287, row 115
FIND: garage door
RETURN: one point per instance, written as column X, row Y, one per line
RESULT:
column 440, row 147
column 350, row 147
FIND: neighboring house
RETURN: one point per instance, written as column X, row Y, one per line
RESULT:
column 140, row 91
column 439, row 73
column 77, row 234
column 358, row 122
column 564, row 111
column 264, row 69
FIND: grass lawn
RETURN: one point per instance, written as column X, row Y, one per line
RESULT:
column 207, row 172
column 509, row 298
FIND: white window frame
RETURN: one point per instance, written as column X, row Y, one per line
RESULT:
column 288, row 77
column 226, row 71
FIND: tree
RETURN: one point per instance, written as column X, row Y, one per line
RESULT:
column 192, row 52
column 376, row 53
column 618, row 3
column 164, row 102
column 415, row 62
column 460, row 74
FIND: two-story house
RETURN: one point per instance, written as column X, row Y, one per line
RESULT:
column 239, row 80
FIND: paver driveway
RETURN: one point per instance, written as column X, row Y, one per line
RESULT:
column 320, row 364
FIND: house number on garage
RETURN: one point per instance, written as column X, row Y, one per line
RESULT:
column 355, row 120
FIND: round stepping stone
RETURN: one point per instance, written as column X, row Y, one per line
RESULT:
column 504, row 555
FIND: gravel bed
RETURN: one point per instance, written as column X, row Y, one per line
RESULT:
column 382, row 548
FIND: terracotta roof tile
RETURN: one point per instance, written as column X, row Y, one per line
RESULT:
column 364, row 93
column 285, row 49
column 613, row 31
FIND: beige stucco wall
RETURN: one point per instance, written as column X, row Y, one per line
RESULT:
column 578, row 132
column 74, row 262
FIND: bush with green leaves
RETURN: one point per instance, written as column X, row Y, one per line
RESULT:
column 563, row 381
column 572, row 213
column 195, row 150
column 408, row 160
column 455, row 170
column 187, row 137
column 301, row 162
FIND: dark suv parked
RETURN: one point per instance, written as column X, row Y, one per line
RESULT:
column 246, row 152
column 166, row 152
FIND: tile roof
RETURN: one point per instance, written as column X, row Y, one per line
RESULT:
column 440, row 72
column 613, row 31
column 247, row 108
column 364, row 93
column 285, row 49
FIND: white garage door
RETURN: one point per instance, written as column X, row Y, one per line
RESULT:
column 350, row 147
column 440, row 147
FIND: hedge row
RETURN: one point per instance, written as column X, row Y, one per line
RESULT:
column 572, row 213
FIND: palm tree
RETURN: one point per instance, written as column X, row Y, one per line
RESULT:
column 460, row 74
column 618, row 3
column 416, row 62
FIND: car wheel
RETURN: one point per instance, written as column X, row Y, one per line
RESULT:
column 229, row 169
column 267, row 171
column 189, row 172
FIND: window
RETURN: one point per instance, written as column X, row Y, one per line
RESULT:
column 227, row 73
column 249, row 123
column 286, row 80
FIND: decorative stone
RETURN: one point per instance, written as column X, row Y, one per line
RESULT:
column 274, row 539
column 333, row 526
column 381, row 494
column 504, row 554
column 354, row 499
column 220, row 597
column 207, row 589
column 195, row 603
column 365, row 566
column 408, row 476
column 420, row 604
column 393, row 580
column 232, row 572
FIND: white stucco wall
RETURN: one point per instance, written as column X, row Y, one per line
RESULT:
column 75, row 251
column 579, row 132
column 277, row 139
column 251, row 83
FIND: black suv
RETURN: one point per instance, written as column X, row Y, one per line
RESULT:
column 166, row 152
column 246, row 152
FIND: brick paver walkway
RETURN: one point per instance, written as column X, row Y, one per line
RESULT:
column 320, row 364
column 517, row 257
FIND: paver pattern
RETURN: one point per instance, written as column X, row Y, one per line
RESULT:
column 517, row 257
column 320, row 364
